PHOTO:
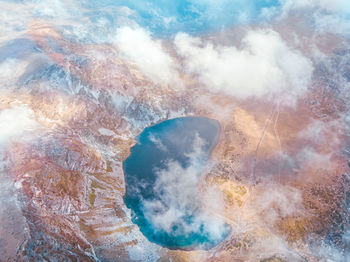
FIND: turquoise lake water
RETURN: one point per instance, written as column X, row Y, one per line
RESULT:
column 162, row 175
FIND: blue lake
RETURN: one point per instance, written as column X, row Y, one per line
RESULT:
column 162, row 177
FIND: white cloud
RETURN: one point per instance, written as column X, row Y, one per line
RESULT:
column 318, row 131
column 158, row 142
column 334, row 23
column 11, row 69
column 278, row 202
column 328, row 16
column 327, row 5
column 264, row 65
column 14, row 122
column 147, row 54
